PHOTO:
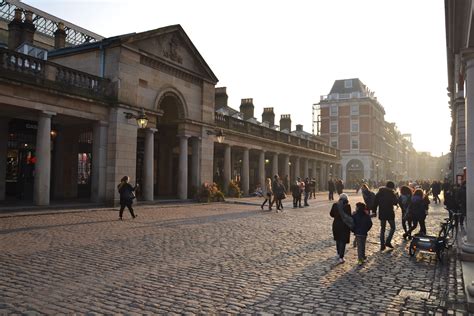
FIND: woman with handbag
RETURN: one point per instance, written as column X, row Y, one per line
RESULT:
column 341, row 212
column 267, row 194
column 127, row 195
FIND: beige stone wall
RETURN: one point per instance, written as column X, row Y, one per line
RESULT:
column 85, row 61
column 121, row 152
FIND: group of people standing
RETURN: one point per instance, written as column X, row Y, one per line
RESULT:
column 414, row 205
column 275, row 191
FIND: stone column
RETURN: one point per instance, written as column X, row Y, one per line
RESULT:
column 99, row 161
column 148, row 171
column 261, row 168
column 297, row 167
column 286, row 170
column 227, row 167
column 3, row 156
column 306, row 168
column 459, row 161
column 183, row 168
column 43, row 159
column 245, row 172
column 468, row 244
column 322, row 176
column 195, row 159
column 313, row 169
column 275, row 165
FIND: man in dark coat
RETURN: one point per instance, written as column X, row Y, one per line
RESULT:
column 385, row 199
column 331, row 189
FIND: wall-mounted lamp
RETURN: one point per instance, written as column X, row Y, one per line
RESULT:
column 267, row 161
column 142, row 119
column 53, row 134
column 219, row 135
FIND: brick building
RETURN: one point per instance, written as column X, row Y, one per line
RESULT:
column 353, row 120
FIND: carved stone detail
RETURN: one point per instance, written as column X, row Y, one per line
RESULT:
column 171, row 51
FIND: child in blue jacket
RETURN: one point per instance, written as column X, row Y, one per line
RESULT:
column 362, row 224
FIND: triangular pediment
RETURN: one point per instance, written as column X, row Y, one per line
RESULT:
column 172, row 45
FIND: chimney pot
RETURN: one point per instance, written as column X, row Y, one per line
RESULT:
column 268, row 116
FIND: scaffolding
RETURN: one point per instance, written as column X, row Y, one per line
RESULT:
column 316, row 119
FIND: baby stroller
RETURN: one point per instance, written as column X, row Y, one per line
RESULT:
column 437, row 244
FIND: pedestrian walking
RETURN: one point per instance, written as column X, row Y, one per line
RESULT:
column 436, row 191
column 384, row 200
column 307, row 191
column 296, row 193
column 331, row 189
column 267, row 194
column 340, row 230
column 339, row 186
column 404, row 202
column 278, row 192
column 362, row 225
column 369, row 197
column 419, row 209
column 127, row 195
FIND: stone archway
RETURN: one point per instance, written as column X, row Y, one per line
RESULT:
column 354, row 172
column 172, row 105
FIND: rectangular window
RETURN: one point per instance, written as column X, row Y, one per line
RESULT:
column 355, row 143
column 354, row 109
column 334, row 142
column 347, row 83
column 333, row 110
column 354, row 126
column 333, row 128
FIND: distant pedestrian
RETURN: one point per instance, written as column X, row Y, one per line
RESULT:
column 331, row 189
column 385, row 199
column 362, row 225
column 127, row 195
column 296, row 193
column 419, row 209
column 267, row 194
column 369, row 197
column 340, row 229
column 307, row 191
column 278, row 192
column 404, row 202
column 339, row 186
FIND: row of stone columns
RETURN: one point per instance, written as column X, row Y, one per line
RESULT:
column 245, row 177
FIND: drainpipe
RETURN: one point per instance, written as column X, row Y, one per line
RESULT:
column 101, row 61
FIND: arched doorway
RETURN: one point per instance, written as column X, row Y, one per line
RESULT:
column 167, row 146
column 354, row 172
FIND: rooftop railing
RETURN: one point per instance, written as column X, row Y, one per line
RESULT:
column 28, row 69
column 237, row 125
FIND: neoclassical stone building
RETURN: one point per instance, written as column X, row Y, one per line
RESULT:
column 69, row 100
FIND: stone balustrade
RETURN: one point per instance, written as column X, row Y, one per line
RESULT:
column 235, row 124
column 25, row 68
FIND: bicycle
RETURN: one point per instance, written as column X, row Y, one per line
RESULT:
column 450, row 227
column 437, row 244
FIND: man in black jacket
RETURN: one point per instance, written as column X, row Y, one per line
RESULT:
column 385, row 199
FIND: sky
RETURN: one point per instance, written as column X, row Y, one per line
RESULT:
column 286, row 54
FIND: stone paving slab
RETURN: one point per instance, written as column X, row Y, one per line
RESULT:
column 218, row 258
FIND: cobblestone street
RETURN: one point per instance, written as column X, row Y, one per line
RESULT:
column 214, row 258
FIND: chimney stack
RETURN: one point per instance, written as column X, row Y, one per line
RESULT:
column 220, row 97
column 299, row 127
column 60, row 36
column 28, row 28
column 246, row 107
column 285, row 122
column 268, row 116
column 15, row 28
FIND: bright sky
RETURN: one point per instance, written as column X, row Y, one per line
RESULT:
column 285, row 54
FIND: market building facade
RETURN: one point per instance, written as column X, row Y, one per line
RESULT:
column 73, row 108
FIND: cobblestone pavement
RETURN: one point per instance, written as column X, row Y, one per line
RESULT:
column 213, row 258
